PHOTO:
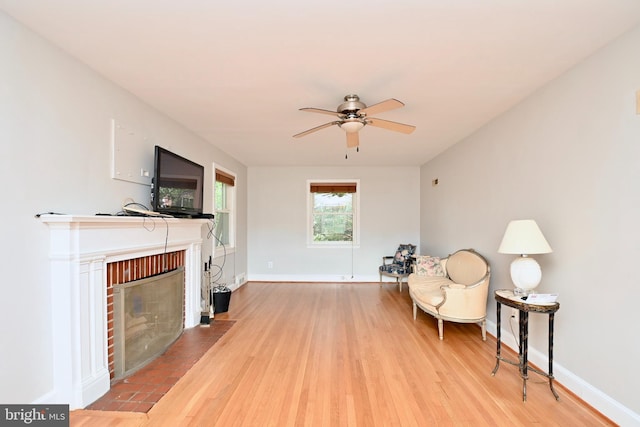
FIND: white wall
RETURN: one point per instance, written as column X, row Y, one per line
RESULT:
column 55, row 118
column 567, row 157
column 277, row 218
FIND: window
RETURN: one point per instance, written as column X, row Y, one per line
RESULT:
column 333, row 213
column 224, row 209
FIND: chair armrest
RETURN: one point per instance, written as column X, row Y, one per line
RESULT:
column 465, row 301
column 387, row 258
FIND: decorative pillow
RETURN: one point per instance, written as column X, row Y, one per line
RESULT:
column 429, row 266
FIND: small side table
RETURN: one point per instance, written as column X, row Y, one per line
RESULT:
column 507, row 297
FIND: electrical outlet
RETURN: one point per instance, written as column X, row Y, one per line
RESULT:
column 270, row 264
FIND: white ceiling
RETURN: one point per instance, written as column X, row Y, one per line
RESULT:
column 236, row 72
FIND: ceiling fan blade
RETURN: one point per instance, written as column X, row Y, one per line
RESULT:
column 317, row 128
column 380, row 107
column 321, row 111
column 353, row 140
column 395, row 126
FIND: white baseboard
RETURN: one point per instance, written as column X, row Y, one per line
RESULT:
column 596, row 398
column 237, row 281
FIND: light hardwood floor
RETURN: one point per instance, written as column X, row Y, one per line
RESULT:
column 348, row 354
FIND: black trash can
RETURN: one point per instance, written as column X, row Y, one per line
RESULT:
column 221, row 297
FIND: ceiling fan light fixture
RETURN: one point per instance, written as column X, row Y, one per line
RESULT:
column 352, row 126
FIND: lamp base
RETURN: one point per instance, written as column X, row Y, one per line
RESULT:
column 523, row 292
column 525, row 274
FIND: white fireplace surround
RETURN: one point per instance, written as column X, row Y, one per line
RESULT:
column 80, row 249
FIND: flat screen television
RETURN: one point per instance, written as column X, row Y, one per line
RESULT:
column 177, row 187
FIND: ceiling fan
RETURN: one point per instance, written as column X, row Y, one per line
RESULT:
column 353, row 115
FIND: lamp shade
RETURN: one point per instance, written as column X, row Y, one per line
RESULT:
column 524, row 237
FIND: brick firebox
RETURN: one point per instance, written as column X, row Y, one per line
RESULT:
column 125, row 271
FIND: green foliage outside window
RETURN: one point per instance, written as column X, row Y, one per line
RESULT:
column 333, row 217
column 222, row 214
column 221, row 195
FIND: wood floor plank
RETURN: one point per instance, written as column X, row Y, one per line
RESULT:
column 89, row 418
column 349, row 354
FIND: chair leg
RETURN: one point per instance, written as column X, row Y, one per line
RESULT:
column 440, row 328
column 399, row 279
column 415, row 310
column 483, row 325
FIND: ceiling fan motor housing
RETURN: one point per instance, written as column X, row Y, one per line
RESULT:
column 351, row 106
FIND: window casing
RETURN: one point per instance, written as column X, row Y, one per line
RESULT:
column 333, row 209
column 224, row 211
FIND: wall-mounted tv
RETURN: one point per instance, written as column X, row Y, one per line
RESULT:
column 177, row 187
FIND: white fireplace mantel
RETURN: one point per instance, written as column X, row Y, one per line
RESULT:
column 80, row 248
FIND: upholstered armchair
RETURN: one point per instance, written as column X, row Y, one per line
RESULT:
column 454, row 288
column 398, row 266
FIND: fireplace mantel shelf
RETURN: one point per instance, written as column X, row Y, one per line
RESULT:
column 80, row 248
column 115, row 219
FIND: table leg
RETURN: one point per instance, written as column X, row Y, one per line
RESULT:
column 550, row 375
column 524, row 344
column 498, row 312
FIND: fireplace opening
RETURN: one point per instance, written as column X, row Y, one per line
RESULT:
column 148, row 316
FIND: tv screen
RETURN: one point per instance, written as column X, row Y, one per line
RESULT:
column 177, row 186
